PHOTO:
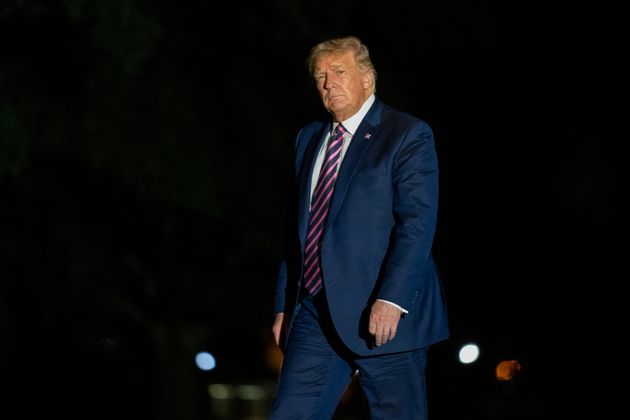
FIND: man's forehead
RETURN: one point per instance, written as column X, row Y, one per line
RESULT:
column 334, row 60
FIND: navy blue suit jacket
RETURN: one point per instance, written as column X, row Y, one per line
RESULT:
column 379, row 235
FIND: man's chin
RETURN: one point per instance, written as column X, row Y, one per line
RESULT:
column 335, row 107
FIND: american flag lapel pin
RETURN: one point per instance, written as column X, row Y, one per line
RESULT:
column 367, row 136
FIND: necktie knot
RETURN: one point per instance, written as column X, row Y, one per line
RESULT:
column 340, row 130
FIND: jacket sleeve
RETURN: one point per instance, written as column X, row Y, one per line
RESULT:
column 415, row 186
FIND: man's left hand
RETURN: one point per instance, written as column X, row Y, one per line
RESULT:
column 384, row 320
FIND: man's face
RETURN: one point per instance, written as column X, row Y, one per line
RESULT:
column 341, row 85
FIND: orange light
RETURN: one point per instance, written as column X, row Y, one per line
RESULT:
column 507, row 370
column 274, row 357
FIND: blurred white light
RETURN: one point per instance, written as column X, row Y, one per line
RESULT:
column 468, row 353
column 250, row 392
column 205, row 361
column 221, row 391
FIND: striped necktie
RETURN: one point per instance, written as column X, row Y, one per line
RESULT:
column 320, row 203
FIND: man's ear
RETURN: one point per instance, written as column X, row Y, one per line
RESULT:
column 368, row 80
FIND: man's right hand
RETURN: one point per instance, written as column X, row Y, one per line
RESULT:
column 278, row 325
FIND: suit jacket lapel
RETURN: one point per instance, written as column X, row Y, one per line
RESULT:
column 365, row 135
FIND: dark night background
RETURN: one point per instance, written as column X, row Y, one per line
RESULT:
column 143, row 151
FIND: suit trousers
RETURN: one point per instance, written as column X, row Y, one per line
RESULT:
column 317, row 368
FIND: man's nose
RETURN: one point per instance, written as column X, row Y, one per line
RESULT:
column 329, row 83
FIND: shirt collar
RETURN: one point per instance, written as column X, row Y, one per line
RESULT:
column 352, row 124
